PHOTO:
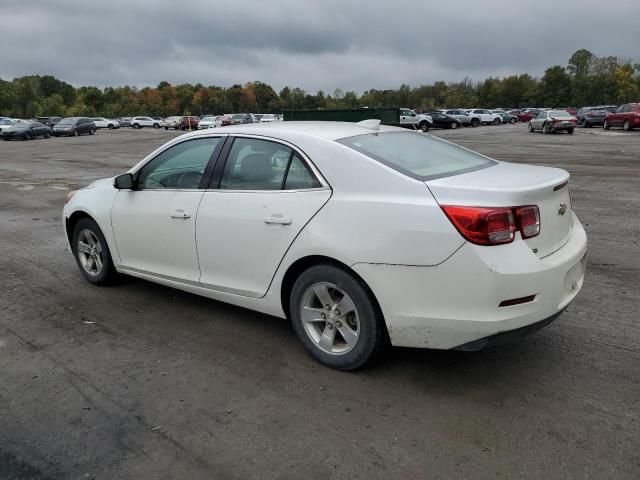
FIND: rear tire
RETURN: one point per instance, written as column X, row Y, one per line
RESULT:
column 92, row 131
column 75, row 133
column 545, row 129
column 497, row 121
column 135, row 125
column 530, row 128
column 424, row 126
column 570, row 131
column 606, row 125
column 626, row 126
column 513, row 120
column 475, row 122
column 110, row 126
column 453, row 125
column 47, row 135
column 27, row 136
column 92, row 253
column 344, row 340
column 155, row 125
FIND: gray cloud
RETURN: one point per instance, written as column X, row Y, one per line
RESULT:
column 312, row 44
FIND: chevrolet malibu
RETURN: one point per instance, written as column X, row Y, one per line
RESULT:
column 361, row 234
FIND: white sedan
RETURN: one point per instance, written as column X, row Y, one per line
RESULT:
column 210, row 122
column 102, row 122
column 361, row 234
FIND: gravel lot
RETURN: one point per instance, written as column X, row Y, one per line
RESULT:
column 141, row 381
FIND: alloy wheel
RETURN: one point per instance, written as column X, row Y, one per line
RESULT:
column 89, row 252
column 330, row 318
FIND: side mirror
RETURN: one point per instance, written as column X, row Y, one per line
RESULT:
column 124, row 181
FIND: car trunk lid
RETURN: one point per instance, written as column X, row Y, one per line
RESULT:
column 513, row 185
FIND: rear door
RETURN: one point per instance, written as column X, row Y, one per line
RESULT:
column 263, row 195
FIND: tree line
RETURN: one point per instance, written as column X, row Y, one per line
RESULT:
column 585, row 80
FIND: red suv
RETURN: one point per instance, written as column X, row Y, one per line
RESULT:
column 189, row 123
column 627, row 116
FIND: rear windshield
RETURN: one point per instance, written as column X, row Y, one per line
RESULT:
column 559, row 113
column 67, row 121
column 416, row 155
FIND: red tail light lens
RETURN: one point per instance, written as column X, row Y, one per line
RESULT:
column 528, row 220
column 483, row 226
column 494, row 226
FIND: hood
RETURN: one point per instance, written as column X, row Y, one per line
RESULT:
column 101, row 183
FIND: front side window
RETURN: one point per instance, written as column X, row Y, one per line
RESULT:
column 416, row 155
column 181, row 166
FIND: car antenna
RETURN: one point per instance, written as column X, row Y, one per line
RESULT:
column 371, row 124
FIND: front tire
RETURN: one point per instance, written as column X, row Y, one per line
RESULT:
column 513, row 120
column 497, row 121
column 606, row 125
column 155, row 125
column 475, row 122
column 92, row 131
column 110, row 126
column 92, row 253
column 545, row 129
column 336, row 318
column 626, row 126
column 570, row 131
column 424, row 126
column 530, row 128
column 27, row 136
column 76, row 133
column 453, row 125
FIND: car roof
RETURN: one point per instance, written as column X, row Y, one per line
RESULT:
column 326, row 130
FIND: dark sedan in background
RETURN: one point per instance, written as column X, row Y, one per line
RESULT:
column 49, row 121
column 594, row 116
column 441, row 120
column 74, row 126
column 25, row 131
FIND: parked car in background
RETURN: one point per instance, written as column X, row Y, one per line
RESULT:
column 101, row 122
column 268, row 118
column 49, row 121
column 442, row 120
column 626, row 116
column 242, row 118
column 74, row 126
column 593, row 116
column 26, row 131
column 480, row 116
column 348, row 258
column 124, row 121
column 189, row 122
column 172, row 122
column 411, row 119
column 5, row 122
column 461, row 115
column 506, row 117
column 210, row 121
column 141, row 122
column 550, row 121
column 521, row 115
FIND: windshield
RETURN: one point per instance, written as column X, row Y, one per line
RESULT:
column 416, row 155
column 67, row 121
column 559, row 113
column 209, row 119
column 5, row 121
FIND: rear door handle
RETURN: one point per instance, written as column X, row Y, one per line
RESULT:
column 180, row 214
column 278, row 220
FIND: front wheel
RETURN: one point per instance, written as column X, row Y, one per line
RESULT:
column 92, row 253
column 626, row 126
column 76, row 133
column 47, row 135
column 513, row 120
column 530, row 128
column 606, row 125
column 570, row 131
column 546, row 129
column 475, row 122
column 424, row 126
column 336, row 318
column 27, row 136
column 92, row 131
column 110, row 126
column 155, row 125
column 453, row 125
column 497, row 121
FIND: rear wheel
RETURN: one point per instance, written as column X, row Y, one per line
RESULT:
column 606, row 125
column 626, row 126
column 47, row 135
column 475, row 122
column 110, row 126
column 530, row 128
column 570, row 131
column 155, row 125
column 92, row 253
column 546, row 129
column 135, row 125
column 453, row 125
column 76, row 133
column 92, row 131
column 424, row 126
column 336, row 318
column 27, row 136
column 513, row 120
column 497, row 121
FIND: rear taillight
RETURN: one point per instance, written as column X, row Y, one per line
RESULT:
column 528, row 220
column 494, row 226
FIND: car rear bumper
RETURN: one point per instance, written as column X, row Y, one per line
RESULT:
column 455, row 303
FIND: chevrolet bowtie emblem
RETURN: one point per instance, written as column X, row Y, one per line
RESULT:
column 563, row 209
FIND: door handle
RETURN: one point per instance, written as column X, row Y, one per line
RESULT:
column 180, row 214
column 278, row 220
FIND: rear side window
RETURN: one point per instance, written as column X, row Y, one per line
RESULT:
column 416, row 155
column 299, row 176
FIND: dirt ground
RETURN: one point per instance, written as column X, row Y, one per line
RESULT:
column 141, row 381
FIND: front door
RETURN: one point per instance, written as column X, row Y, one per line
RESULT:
column 154, row 224
column 266, row 194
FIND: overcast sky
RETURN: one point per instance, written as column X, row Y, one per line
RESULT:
column 313, row 44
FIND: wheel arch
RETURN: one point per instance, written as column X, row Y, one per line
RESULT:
column 296, row 268
column 72, row 221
